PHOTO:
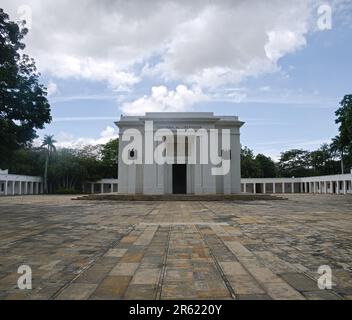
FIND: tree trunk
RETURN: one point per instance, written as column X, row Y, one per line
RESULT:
column 342, row 165
column 46, row 173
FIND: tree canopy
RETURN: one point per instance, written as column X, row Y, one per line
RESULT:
column 67, row 168
column 342, row 143
column 294, row 163
column 23, row 103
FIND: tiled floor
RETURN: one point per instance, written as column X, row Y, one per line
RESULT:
column 176, row 250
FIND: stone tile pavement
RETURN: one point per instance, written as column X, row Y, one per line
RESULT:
column 176, row 250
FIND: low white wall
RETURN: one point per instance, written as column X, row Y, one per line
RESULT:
column 101, row 186
column 334, row 184
column 12, row 184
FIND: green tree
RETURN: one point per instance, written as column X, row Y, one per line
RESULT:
column 70, row 168
column 64, row 171
column 249, row 167
column 338, row 150
column 89, row 158
column 323, row 161
column 48, row 144
column 342, row 144
column 266, row 166
column 27, row 161
column 344, row 119
column 295, row 163
column 109, row 158
column 23, row 103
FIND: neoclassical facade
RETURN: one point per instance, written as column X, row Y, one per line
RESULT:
column 185, row 136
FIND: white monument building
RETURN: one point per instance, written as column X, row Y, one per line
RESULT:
column 173, row 154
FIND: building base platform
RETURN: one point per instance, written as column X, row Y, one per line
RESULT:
column 179, row 197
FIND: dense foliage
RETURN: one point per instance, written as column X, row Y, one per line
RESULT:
column 23, row 103
column 292, row 163
column 342, row 144
column 67, row 169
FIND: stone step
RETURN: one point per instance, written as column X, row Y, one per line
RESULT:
column 179, row 197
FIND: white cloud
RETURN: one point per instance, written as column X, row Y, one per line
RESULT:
column 198, row 42
column 78, row 119
column 91, row 69
column 282, row 42
column 164, row 100
column 229, row 94
column 52, row 88
column 67, row 140
column 228, row 41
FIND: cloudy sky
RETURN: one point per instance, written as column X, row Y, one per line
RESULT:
column 269, row 62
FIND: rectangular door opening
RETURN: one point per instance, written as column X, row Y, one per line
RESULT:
column 179, row 178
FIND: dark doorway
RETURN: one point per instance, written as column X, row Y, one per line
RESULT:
column 258, row 188
column 179, row 179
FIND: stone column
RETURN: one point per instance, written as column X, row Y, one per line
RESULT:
column 111, row 187
column 160, row 168
column 37, row 188
column 102, row 188
column 5, row 188
column 226, row 181
column 292, row 187
column 92, row 188
column 254, row 188
column 20, row 188
column 283, row 187
column 344, row 187
column 198, row 170
column 132, row 171
column 337, row 187
column 244, row 187
column 264, row 187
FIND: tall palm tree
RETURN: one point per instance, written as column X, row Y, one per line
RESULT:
column 48, row 144
column 338, row 147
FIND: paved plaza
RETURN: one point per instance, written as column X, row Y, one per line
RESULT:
column 176, row 250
